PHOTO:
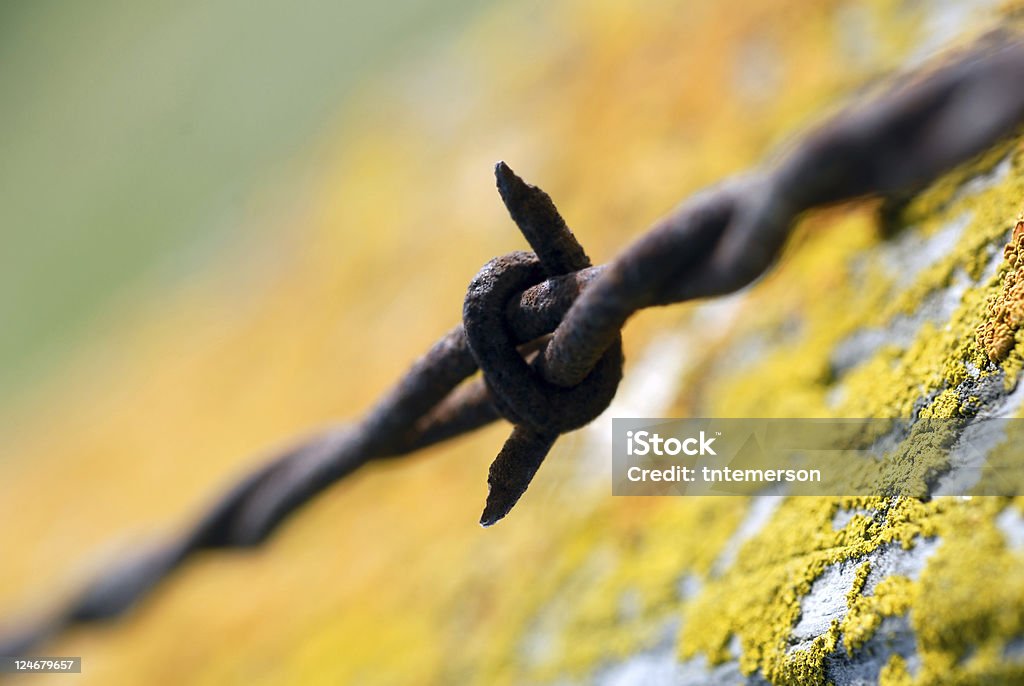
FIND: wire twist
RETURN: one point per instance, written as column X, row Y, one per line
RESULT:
column 541, row 411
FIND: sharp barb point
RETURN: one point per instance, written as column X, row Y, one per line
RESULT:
column 499, row 503
column 512, row 470
column 511, row 187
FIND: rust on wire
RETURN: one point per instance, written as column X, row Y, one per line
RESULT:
column 540, row 410
column 544, row 327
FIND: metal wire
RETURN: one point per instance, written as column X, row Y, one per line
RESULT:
column 553, row 308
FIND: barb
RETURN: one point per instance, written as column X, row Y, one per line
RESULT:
column 565, row 315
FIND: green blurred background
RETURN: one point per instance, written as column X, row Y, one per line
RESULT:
column 135, row 134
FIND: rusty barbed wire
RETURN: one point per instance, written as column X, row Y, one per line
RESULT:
column 544, row 326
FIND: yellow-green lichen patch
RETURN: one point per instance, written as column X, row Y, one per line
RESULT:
column 891, row 597
column 842, row 263
column 895, row 673
column 759, row 598
column 859, row 581
column 852, row 292
column 788, row 382
column 966, row 608
column 626, row 604
column 1006, row 308
column 832, row 283
column 970, row 600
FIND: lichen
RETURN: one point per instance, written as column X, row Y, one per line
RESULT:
column 758, row 599
column 895, row 673
column 1006, row 308
column 892, row 596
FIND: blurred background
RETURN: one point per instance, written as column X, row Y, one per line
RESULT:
column 226, row 223
column 142, row 139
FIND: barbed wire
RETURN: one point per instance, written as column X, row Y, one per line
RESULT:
column 544, row 326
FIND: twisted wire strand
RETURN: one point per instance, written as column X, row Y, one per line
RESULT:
column 568, row 315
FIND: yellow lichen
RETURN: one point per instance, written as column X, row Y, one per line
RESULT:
column 1006, row 309
column 761, row 607
column 895, row 673
column 892, row 596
